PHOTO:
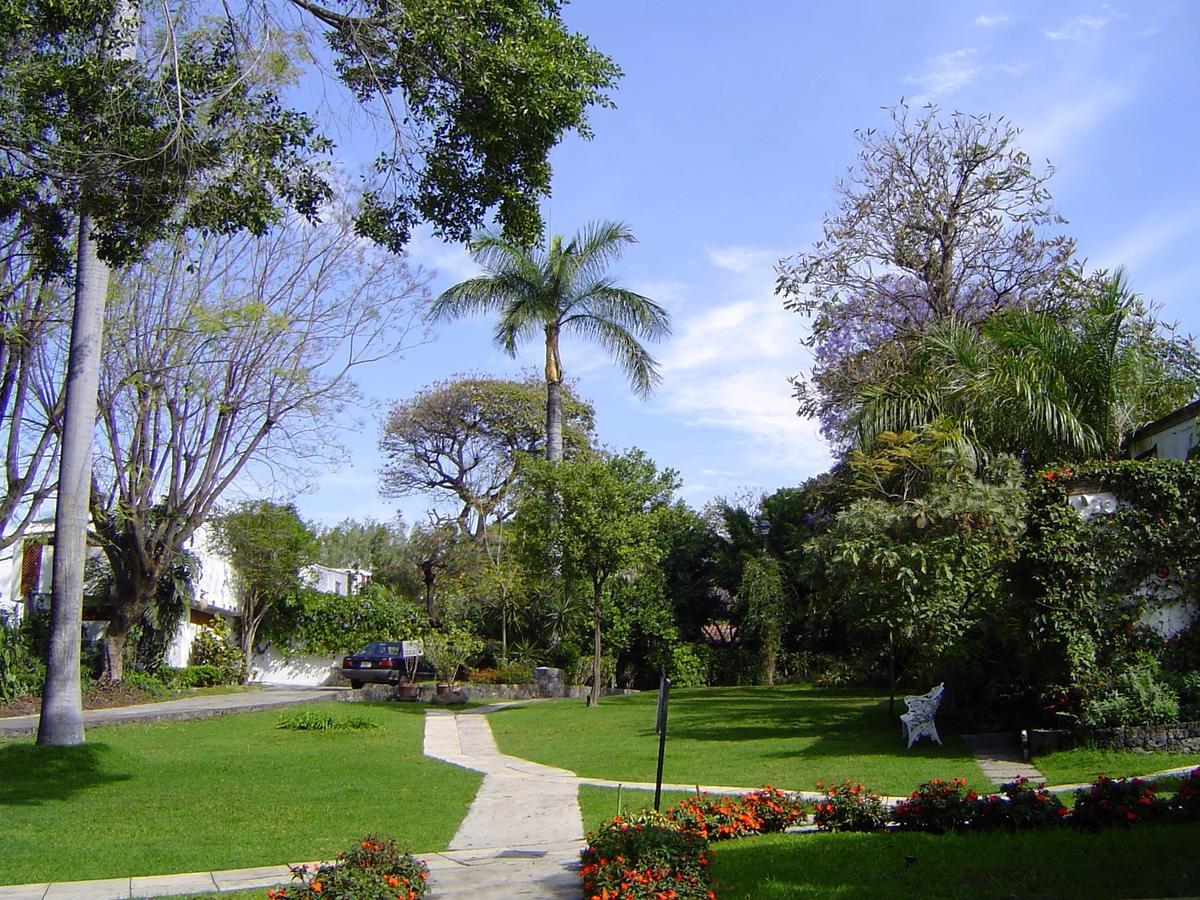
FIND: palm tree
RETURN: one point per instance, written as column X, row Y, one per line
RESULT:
column 1043, row 387
column 565, row 288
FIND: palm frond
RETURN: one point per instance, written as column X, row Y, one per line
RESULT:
column 636, row 362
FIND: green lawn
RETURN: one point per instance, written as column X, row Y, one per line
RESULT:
column 1085, row 763
column 221, row 793
column 789, row 736
column 1141, row 862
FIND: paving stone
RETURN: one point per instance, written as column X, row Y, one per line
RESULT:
column 103, row 889
column 158, row 885
column 24, row 891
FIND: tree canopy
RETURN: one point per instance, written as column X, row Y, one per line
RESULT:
column 564, row 289
column 940, row 218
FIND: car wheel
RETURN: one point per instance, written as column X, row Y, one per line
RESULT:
column 355, row 683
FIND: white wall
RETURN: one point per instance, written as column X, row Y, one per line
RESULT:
column 274, row 667
column 1172, row 443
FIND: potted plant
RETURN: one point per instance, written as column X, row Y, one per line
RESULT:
column 446, row 651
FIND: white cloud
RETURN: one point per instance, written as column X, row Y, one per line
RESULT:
column 1148, row 239
column 947, row 72
column 986, row 21
column 1057, row 127
column 743, row 260
column 1084, row 28
column 728, row 369
column 450, row 262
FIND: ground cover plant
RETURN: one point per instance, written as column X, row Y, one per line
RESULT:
column 1083, row 764
column 790, row 736
column 221, row 793
column 1155, row 861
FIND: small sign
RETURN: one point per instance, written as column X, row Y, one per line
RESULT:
column 410, row 649
column 664, row 690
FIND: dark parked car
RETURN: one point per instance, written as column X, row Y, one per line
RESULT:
column 382, row 663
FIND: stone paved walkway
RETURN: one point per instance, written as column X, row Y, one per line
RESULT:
column 523, row 833
column 1000, row 758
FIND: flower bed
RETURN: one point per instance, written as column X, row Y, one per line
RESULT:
column 665, row 856
column 374, row 869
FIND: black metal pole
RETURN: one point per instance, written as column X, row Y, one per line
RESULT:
column 664, row 687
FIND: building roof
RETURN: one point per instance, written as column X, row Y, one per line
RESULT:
column 1191, row 411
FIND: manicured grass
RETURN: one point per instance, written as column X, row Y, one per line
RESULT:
column 789, row 736
column 1140, row 862
column 1085, row 763
column 598, row 805
column 222, row 793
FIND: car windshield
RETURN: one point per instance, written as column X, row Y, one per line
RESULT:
column 380, row 650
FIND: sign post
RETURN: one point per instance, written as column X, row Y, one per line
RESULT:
column 664, row 690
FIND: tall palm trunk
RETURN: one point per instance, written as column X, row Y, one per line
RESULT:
column 594, row 696
column 554, row 427
column 61, row 722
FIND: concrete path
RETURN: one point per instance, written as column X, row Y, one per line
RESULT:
column 523, row 833
column 1000, row 758
column 187, row 708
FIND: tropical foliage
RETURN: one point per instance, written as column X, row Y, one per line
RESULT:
column 565, row 289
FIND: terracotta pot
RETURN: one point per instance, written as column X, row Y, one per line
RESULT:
column 408, row 692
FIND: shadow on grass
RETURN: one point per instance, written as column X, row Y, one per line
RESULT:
column 31, row 775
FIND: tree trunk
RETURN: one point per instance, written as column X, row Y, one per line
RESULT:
column 891, row 674
column 114, row 648
column 554, row 428
column 61, row 722
column 249, row 631
column 770, row 655
column 594, row 696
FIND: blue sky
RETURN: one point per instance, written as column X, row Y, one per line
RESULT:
column 734, row 120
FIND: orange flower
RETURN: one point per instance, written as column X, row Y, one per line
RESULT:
column 317, row 887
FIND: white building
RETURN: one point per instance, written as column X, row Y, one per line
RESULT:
column 1171, row 437
column 25, row 578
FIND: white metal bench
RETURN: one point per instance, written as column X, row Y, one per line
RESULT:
column 918, row 721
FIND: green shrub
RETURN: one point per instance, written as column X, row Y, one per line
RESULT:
column 22, row 671
column 1020, row 806
column 196, row 676
column 937, row 806
column 644, row 857
column 148, row 682
column 1136, row 696
column 514, row 673
column 332, row 624
column 305, row 719
column 213, row 646
column 848, row 807
column 374, row 869
column 690, row 665
column 1121, row 801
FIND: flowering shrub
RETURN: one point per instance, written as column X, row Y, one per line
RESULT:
column 937, row 806
column 774, row 809
column 1116, row 802
column 721, row 818
column 1185, row 805
column 1020, row 806
column 374, row 869
column 848, row 807
column 645, row 856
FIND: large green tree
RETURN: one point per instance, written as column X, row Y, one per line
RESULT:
column 464, row 439
column 588, row 521
column 267, row 544
column 564, row 289
column 917, row 559
column 115, row 139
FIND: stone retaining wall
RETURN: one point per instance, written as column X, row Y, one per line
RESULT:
column 1181, row 737
column 476, row 692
